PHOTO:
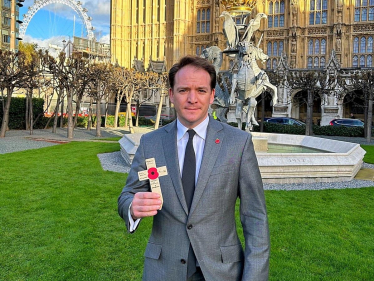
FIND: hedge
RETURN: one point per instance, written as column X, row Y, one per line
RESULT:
column 17, row 113
column 317, row 130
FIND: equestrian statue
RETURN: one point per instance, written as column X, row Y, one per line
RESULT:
column 248, row 80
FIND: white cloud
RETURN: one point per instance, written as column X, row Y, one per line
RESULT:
column 54, row 44
column 105, row 39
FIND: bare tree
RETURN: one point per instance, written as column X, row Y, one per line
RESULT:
column 99, row 88
column 33, row 79
column 162, row 84
column 69, row 73
column 120, row 82
column 362, row 84
column 12, row 73
column 314, row 83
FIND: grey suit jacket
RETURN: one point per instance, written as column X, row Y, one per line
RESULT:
column 228, row 170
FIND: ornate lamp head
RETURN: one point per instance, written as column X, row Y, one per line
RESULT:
column 239, row 6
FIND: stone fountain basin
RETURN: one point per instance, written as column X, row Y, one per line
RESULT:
column 340, row 162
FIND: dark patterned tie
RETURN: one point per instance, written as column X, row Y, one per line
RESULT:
column 189, row 170
column 188, row 181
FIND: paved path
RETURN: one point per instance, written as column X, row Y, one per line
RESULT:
column 19, row 140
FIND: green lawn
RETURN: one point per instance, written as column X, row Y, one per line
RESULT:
column 58, row 221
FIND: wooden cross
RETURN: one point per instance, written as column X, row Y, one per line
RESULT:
column 152, row 173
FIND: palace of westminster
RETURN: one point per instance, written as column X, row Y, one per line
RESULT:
column 326, row 35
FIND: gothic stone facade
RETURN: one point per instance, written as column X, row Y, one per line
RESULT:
column 305, row 32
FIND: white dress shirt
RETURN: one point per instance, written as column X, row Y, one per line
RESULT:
column 182, row 139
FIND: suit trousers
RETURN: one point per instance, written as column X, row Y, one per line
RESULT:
column 197, row 276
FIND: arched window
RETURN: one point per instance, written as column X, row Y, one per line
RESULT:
column 276, row 14
column 268, row 64
column 316, row 62
column 371, row 14
column 310, row 47
column 197, row 50
column 274, row 63
column 274, row 51
column 280, row 48
column 270, row 22
column 355, row 61
column 323, row 62
column 362, row 61
column 203, row 20
column 364, row 10
column 363, row 45
column 323, row 47
column 364, row 14
column 369, row 61
column 318, row 12
column 310, row 62
column 370, row 45
column 269, row 53
column 355, row 45
column 316, row 48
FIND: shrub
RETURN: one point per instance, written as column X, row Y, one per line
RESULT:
column 339, row 131
column 317, row 130
column 17, row 113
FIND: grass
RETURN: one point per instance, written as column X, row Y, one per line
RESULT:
column 369, row 156
column 59, row 221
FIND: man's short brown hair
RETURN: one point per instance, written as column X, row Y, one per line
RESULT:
column 196, row 61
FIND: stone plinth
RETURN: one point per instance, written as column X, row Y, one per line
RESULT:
column 341, row 162
column 129, row 144
column 260, row 144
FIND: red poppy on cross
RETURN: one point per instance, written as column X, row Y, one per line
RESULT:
column 152, row 173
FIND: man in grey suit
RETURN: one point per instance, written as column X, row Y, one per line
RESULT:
column 194, row 235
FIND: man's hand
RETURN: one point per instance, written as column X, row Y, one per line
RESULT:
column 145, row 204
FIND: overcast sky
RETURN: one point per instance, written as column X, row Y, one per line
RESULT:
column 55, row 22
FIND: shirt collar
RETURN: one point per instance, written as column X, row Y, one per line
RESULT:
column 200, row 129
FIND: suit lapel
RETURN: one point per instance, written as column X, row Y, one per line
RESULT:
column 211, row 152
column 171, row 156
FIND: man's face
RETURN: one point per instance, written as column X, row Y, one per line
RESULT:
column 191, row 95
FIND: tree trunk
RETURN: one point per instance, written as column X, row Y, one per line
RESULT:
column 118, row 105
column 309, row 114
column 54, row 129
column 62, row 112
column 98, row 116
column 89, row 122
column 128, row 111
column 159, row 111
column 27, row 113
column 31, row 115
column 77, row 109
column 106, row 111
column 5, row 121
column 369, row 117
column 137, row 114
column 131, row 129
column 70, row 115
